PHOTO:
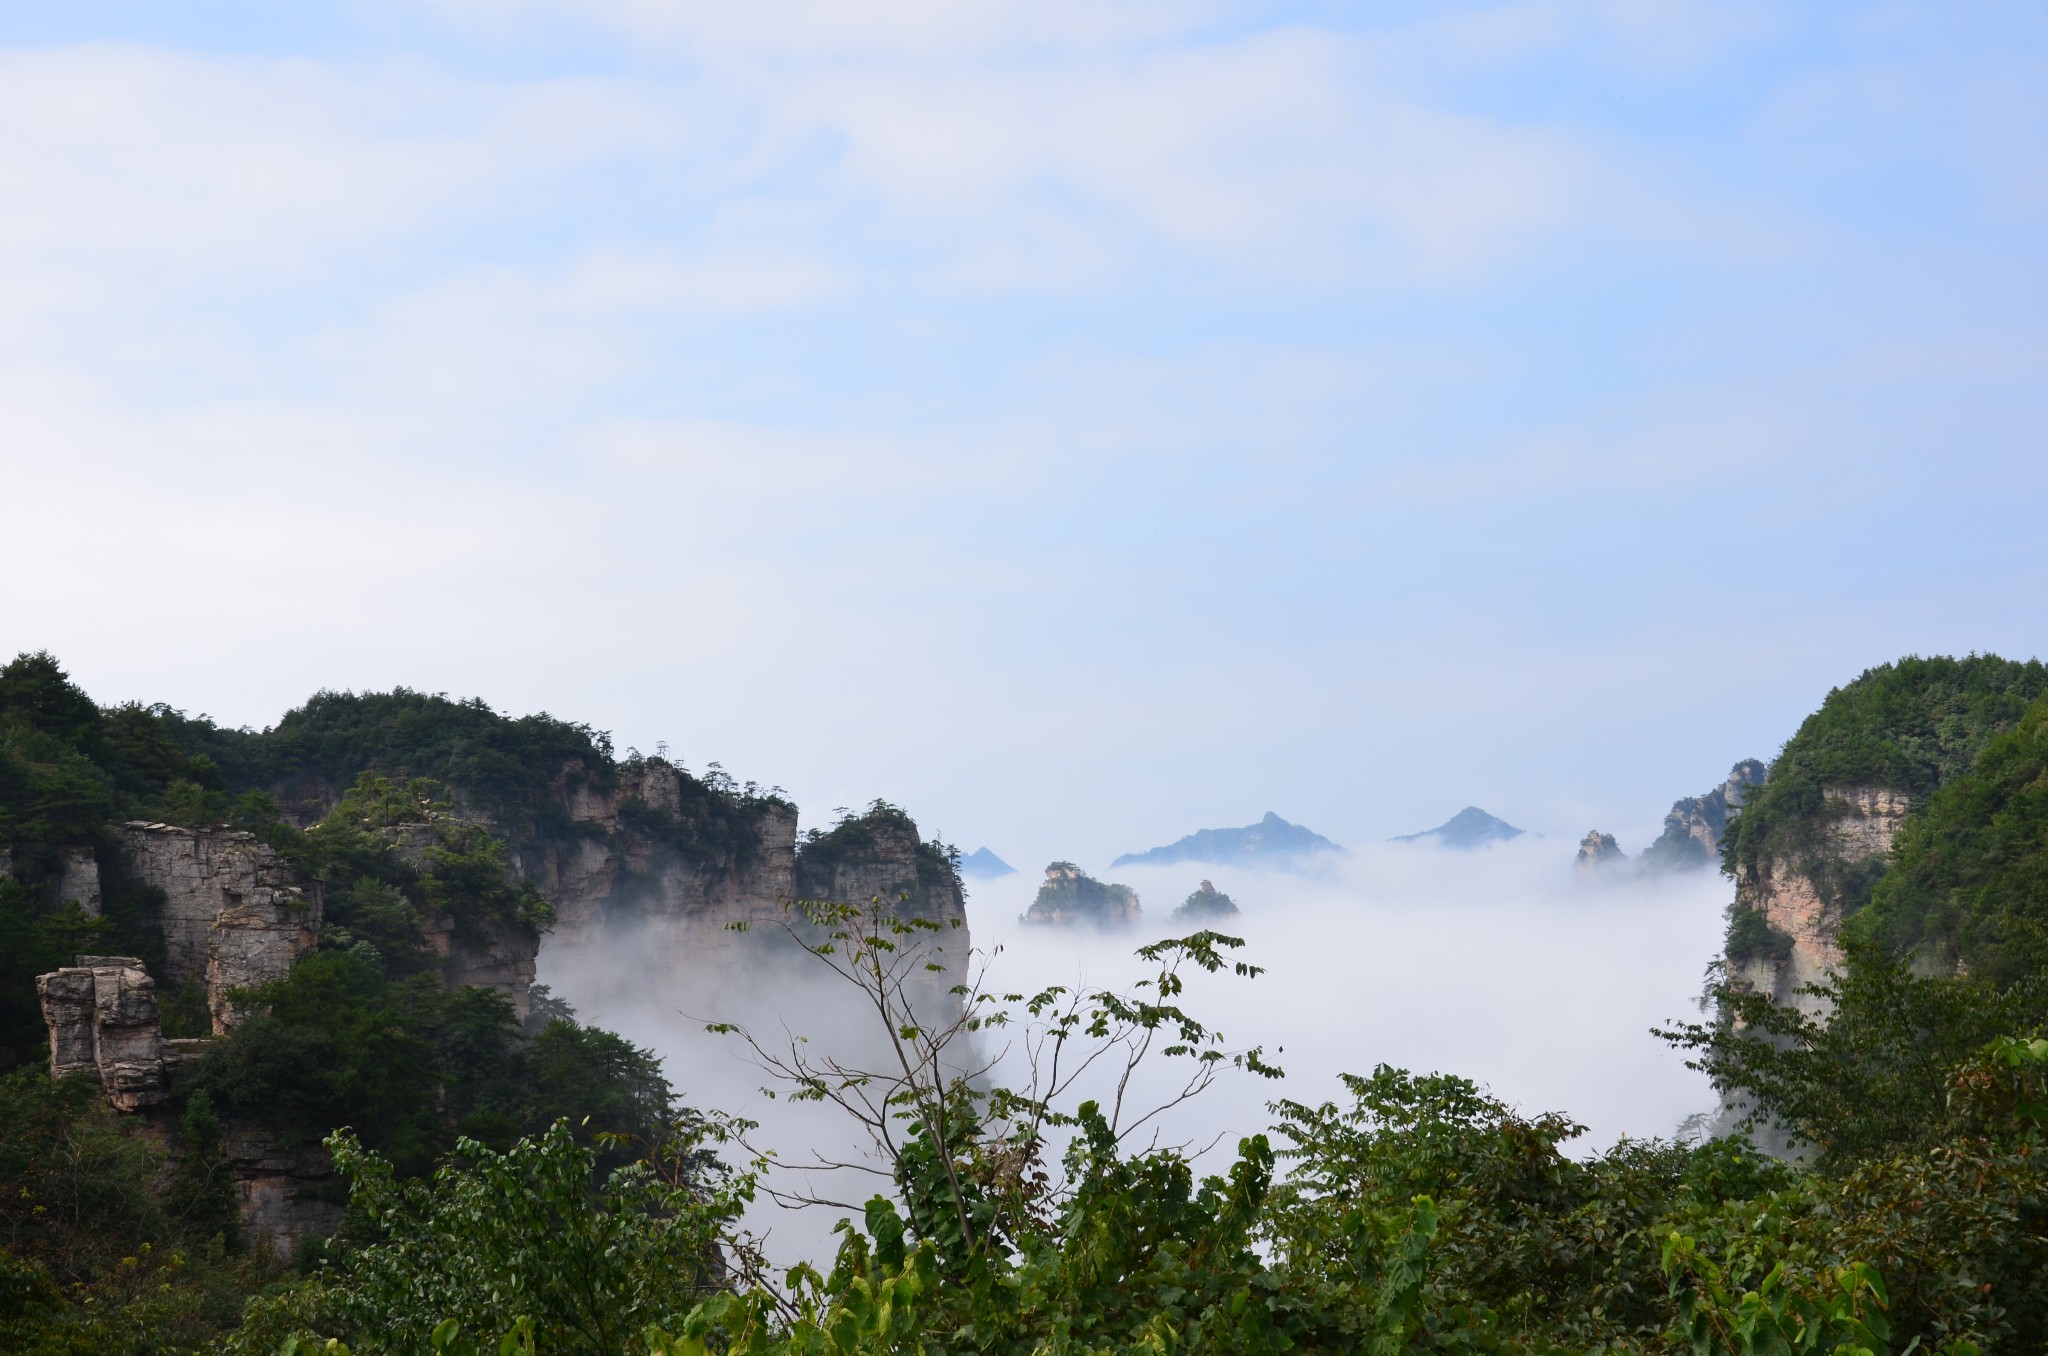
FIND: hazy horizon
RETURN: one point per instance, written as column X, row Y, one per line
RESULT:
column 1077, row 424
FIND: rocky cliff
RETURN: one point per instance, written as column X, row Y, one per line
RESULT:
column 1597, row 853
column 1070, row 897
column 234, row 915
column 653, row 892
column 1694, row 827
column 1808, row 845
column 1789, row 909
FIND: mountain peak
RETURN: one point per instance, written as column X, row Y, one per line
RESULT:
column 1270, row 842
column 1471, row 827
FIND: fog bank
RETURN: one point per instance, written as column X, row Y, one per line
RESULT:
column 1497, row 964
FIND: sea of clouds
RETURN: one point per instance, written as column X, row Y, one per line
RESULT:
column 1500, row 964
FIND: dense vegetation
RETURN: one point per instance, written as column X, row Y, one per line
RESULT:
column 123, row 1240
column 1910, row 726
column 1412, row 1213
column 1205, row 906
column 820, row 853
column 1968, row 883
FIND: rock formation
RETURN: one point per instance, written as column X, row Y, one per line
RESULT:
column 1799, row 900
column 102, row 1015
column 1205, row 906
column 285, row 1192
column 234, row 915
column 1693, row 829
column 1598, row 852
column 1070, row 897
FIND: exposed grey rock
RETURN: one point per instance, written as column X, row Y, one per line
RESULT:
column 621, row 882
column 1694, row 827
column 103, row 1021
column 1070, row 897
column 1598, row 851
column 78, row 881
column 235, row 915
column 284, row 1195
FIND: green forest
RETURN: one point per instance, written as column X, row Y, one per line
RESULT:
column 538, row 1186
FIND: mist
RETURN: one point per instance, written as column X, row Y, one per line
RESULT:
column 1501, row 965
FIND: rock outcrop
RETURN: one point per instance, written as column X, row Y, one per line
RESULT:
column 285, row 1194
column 1070, row 897
column 103, row 1022
column 652, row 887
column 234, row 915
column 78, row 881
column 1598, row 852
column 1205, row 906
column 1801, row 901
column 1694, row 827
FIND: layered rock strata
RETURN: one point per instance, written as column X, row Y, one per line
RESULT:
column 234, row 914
column 643, row 895
column 103, row 1022
column 1798, row 901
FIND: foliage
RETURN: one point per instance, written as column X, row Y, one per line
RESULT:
column 94, row 1255
column 505, row 766
column 857, row 838
column 1751, row 937
column 1872, row 1079
column 585, row 1263
column 1968, row 882
column 409, row 1064
column 1204, row 906
column 1910, row 726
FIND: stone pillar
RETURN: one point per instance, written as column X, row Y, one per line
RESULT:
column 103, row 1020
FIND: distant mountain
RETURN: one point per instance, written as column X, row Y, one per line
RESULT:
column 1270, row 842
column 981, row 864
column 1471, row 827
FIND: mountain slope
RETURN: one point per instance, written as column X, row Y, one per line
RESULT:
column 1471, row 827
column 1270, row 842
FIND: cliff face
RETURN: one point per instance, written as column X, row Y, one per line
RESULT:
column 650, row 892
column 1597, row 852
column 1070, row 897
column 1803, row 900
column 234, row 915
column 1695, row 826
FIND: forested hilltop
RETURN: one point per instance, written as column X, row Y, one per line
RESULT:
column 477, row 1209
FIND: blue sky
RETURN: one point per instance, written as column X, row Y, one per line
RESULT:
column 1078, row 422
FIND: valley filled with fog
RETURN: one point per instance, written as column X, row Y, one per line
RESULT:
column 1501, row 964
